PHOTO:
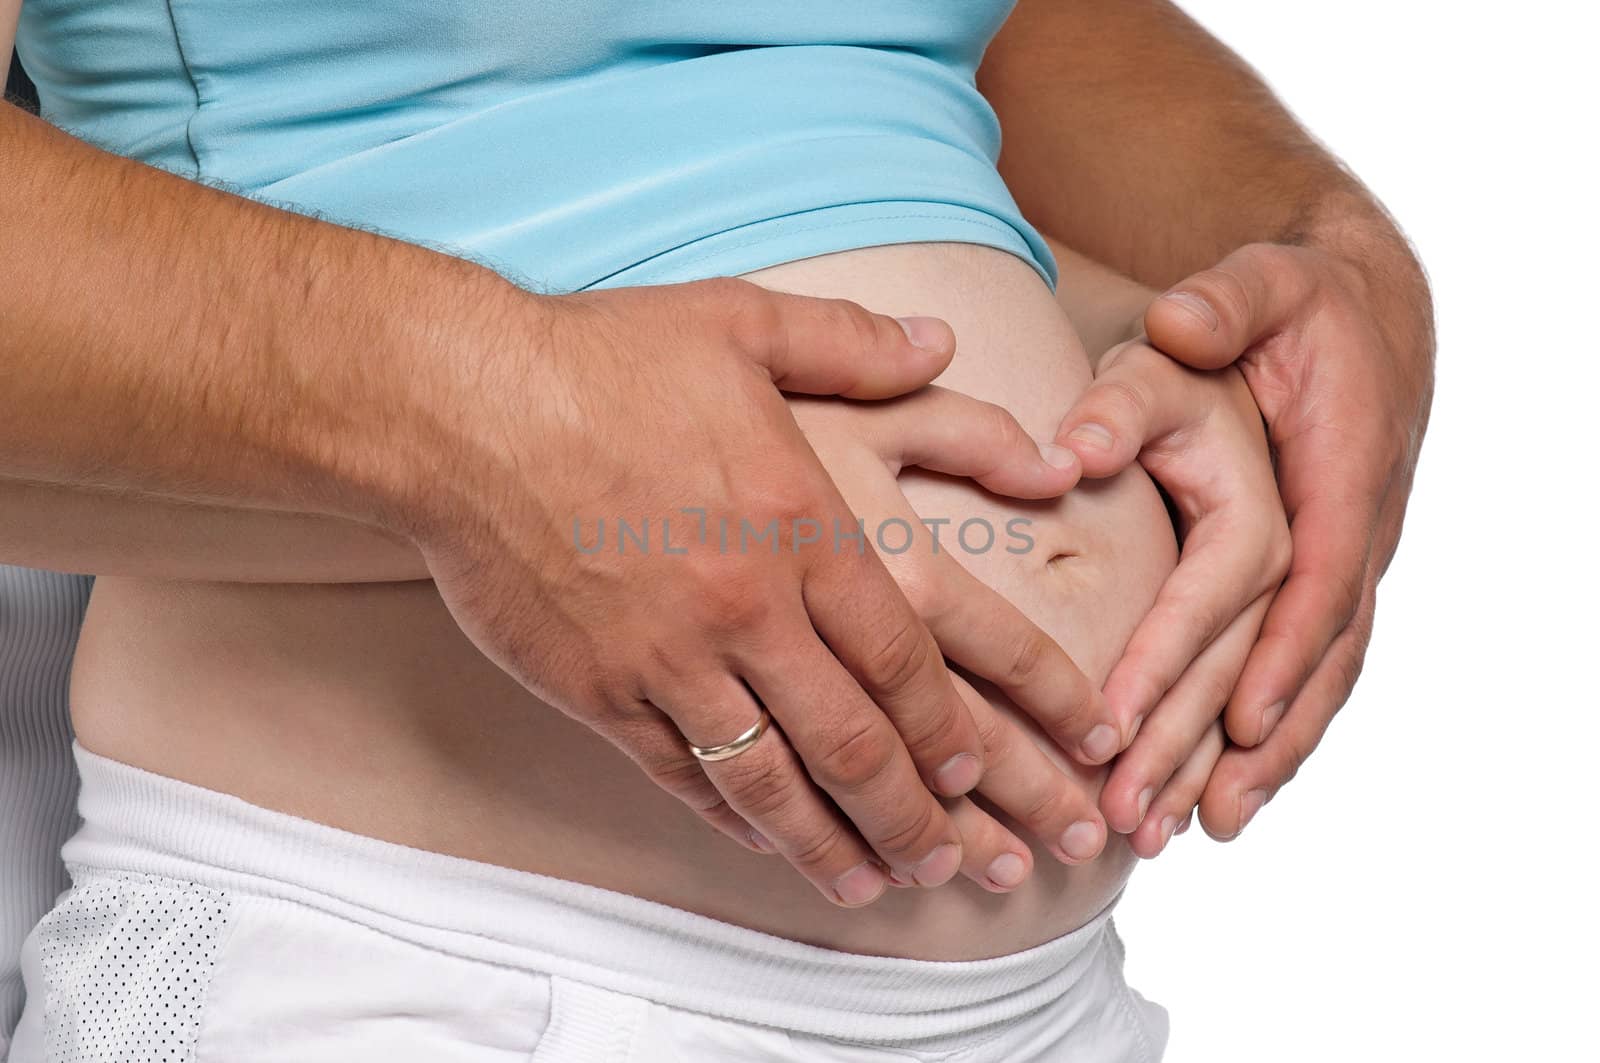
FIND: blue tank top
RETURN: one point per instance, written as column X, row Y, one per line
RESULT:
column 569, row 144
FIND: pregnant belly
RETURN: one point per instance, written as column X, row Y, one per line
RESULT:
column 362, row 706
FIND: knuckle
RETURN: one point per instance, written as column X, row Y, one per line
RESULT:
column 731, row 602
column 1344, row 588
column 1294, row 646
column 997, row 424
column 855, row 757
column 995, row 735
column 1044, row 807
column 816, row 850
column 731, row 295
column 1349, row 664
column 1208, row 616
column 789, row 495
column 1194, row 611
column 1227, row 292
column 909, row 834
column 1294, row 758
column 602, row 695
column 753, row 320
column 1121, row 401
column 758, row 790
column 679, row 775
column 685, row 781
column 853, row 321
column 1028, row 657
column 893, row 668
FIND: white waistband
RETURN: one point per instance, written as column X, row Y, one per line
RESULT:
column 141, row 822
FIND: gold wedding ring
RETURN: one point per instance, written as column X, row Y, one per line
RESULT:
column 738, row 745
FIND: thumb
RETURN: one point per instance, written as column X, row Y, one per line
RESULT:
column 1212, row 317
column 837, row 347
column 1139, row 395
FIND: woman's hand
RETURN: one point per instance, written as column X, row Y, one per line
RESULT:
column 1199, row 434
column 864, row 446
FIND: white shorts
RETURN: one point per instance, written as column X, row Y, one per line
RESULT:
column 203, row 928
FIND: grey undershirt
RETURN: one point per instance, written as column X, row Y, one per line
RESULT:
column 40, row 613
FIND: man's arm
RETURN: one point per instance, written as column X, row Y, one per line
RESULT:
column 121, row 533
column 1141, row 141
column 1138, row 139
column 125, row 533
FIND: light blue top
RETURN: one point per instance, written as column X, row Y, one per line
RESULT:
column 569, row 144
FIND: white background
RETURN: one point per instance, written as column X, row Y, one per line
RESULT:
column 1426, row 888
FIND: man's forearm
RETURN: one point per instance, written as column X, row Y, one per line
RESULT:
column 1135, row 137
column 166, row 337
column 123, row 533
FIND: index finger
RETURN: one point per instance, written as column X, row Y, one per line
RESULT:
column 946, row 431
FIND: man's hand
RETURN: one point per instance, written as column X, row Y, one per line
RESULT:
column 1199, row 435
column 273, row 361
column 1337, row 347
column 746, row 582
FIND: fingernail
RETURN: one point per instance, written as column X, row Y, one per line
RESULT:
column 1145, row 797
column 860, row 885
column 1100, row 743
column 1249, row 805
column 1057, row 456
column 924, row 332
column 1195, row 305
column 1168, row 825
column 958, row 775
column 1007, row 870
column 1185, row 824
column 1092, row 435
column 938, row 867
column 762, row 842
column 1270, row 716
column 1081, row 841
